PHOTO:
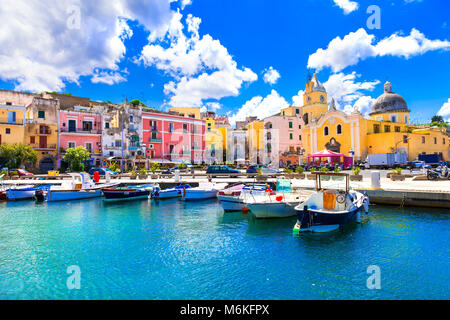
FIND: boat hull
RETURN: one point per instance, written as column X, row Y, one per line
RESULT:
column 316, row 221
column 230, row 203
column 167, row 194
column 192, row 194
column 16, row 194
column 123, row 195
column 72, row 195
column 273, row 209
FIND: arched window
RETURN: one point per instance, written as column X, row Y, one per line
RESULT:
column 269, row 136
column 339, row 129
column 305, row 119
column 325, row 131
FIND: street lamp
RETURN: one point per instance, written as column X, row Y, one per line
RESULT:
column 302, row 152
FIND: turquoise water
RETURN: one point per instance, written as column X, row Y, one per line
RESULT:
column 183, row 250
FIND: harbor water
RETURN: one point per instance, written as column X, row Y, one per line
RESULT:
column 171, row 249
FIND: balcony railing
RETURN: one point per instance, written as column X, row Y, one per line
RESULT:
column 81, row 131
column 43, row 131
column 18, row 122
column 39, row 146
column 154, row 140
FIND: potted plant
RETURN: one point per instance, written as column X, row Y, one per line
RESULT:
column 182, row 167
column 356, row 176
column 260, row 176
column 311, row 176
column 397, row 175
column 300, row 172
column 132, row 174
column 143, row 174
column 288, row 173
column 153, row 168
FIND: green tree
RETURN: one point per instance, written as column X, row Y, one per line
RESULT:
column 437, row 118
column 18, row 154
column 137, row 102
column 75, row 157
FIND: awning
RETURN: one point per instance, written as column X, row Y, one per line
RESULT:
column 326, row 154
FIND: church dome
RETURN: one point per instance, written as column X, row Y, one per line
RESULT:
column 389, row 102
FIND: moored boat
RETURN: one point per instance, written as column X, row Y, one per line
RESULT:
column 277, row 205
column 332, row 206
column 234, row 198
column 80, row 187
column 25, row 192
column 170, row 193
column 128, row 193
column 203, row 191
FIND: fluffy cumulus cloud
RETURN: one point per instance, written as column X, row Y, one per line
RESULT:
column 350, row 93
column 201, row 66
column 271, row 76
column 42, row 47
column 297, row 100
column 260, row 107
column 347, row 5
column 445, row 111
column 359, row 45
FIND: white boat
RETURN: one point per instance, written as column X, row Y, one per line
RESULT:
column 24, row 192
column 170, row 193
column 332, row 206
column 234, row 198
column 80, row 187
column 203, row 191
column 277, row 205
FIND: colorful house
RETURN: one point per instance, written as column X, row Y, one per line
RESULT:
column 12, row 123
column 255, row 136
column 81, row 126
column 173, row 137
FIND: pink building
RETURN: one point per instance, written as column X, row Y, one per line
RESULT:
column 81, row 127
column 173, row 137
column 282, row 139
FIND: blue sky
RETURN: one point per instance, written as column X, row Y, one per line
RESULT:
column 216, row 53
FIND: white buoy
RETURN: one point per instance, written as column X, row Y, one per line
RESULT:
column 375, row 178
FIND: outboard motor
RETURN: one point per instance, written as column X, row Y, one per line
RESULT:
column 39, row 195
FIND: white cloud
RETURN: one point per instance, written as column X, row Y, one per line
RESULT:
column 260, row 107
column 42, row 46
column 347, row 5
column 364, row 105
column 201, row 67
column 445, row 111
column 345, row 89
column 271, row 76
column 297, row 100
column 107, row 77
column 357, row 46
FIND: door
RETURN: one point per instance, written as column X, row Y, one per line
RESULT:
column 72, row 125
column 43, row 142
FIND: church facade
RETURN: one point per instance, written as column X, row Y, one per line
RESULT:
column 386, row 131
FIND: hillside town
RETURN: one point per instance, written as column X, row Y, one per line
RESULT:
column 132, row 132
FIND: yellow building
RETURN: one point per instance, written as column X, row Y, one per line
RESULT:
column 387, row 131
column 12, row 124
column 255, row 139
column 187, row 112
column 41, row 131
column 216, row 140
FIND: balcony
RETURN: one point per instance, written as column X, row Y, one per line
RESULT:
column 154, row 140
column 133, row 148
column 38, row 146
column 43, row 131
column 18, row 122
column 80, row 131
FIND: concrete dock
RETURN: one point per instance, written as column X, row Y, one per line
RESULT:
column 402, row 193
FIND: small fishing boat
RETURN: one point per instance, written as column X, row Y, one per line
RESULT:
column 128, row 193
column 277, row 205
column 80, row 187
column 170, row 193
column 203, row 191
column 234, row 198
column 25, row 192
column 332, row 206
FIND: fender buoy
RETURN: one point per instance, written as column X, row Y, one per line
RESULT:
column 279, row 198
column 245, row 209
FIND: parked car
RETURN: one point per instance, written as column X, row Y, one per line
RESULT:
column 20, row 172
column 221, row 169
column 264, row 169
column 101, row 171
column 415, row 164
